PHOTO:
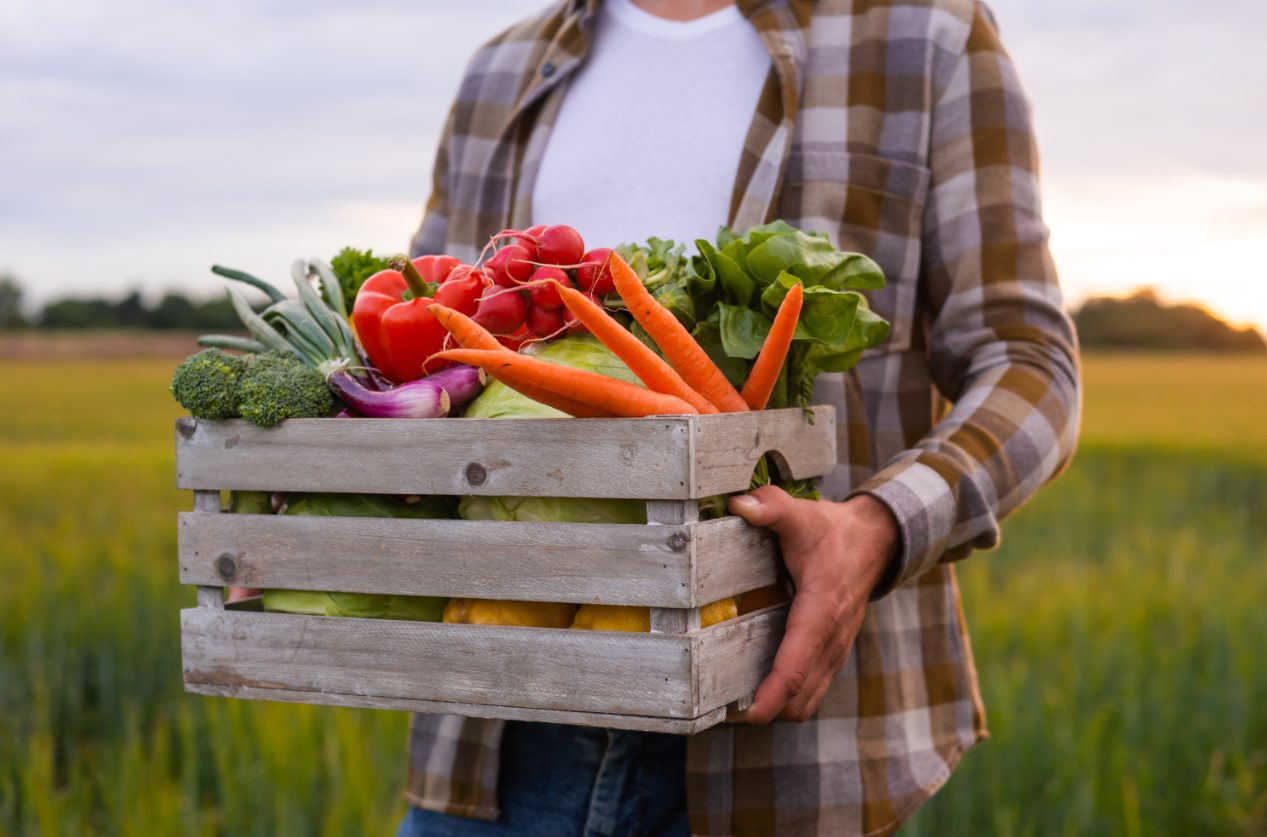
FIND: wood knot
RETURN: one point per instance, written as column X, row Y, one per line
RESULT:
column 226, row 566
column 678, row 541
column 476, row 474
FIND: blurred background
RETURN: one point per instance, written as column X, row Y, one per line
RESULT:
column 1118, row 631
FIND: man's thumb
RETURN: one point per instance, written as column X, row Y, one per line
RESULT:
column 767, row 506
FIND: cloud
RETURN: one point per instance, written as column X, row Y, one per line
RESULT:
column 143, row 140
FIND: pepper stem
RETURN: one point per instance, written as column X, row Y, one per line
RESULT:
column 417, row 285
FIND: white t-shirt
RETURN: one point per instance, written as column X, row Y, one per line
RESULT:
column 649, row 134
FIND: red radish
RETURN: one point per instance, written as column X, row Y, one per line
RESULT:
column 594, row 275
column 462, row 289
column 528, row 238
column 510, row 265
column 515, row 341
column 543, row 322
column 560, row 244
column 544, row 295
column 501, row 310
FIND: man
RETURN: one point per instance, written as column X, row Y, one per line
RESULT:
column 899, row 128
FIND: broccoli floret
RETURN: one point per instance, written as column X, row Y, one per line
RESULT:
column 275, row 387
column 206, row 384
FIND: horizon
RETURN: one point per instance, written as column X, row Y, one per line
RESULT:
column 185, row 152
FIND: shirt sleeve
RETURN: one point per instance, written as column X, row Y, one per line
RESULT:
column 433, row 234
column 1001, row 348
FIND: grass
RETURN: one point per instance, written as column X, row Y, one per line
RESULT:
column 1117, row 631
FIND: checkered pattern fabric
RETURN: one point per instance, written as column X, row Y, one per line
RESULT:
column 899, row 128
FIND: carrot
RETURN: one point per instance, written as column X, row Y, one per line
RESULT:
column 472, row 335
column 615, row 396
column 760, row 383
column 468, row 333
column 679, row 347
column 644, row 363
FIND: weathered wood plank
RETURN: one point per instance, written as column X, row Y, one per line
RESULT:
column 731, row 659
column 211, row 597
column 535, row 668
column 207, row 501
column 560, row 562
column 674, row 620
column 727, row 446
column 666, row 458
column 621, row 458
column 674, row 726
column 732, row 557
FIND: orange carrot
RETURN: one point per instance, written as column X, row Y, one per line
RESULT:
column 644, row 363
column 468, row 333
column 615, row 396
column 765, row 372
column 679, row 347
column 472, row 335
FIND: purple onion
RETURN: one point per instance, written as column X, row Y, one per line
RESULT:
column 460, row 381
column 416, row 399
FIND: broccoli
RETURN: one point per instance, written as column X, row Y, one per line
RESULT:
column 276, row 387
column 206, row 384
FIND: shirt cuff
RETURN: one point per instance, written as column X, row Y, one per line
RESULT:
column 923, row 504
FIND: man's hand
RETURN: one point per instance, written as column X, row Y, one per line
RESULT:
column 835, row 553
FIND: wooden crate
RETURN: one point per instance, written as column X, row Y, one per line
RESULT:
column 678, row 678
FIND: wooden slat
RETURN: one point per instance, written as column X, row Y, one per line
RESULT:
column 731, row 659
column 560, row 562
column 732, row 557
column 668, row 458
column 728, row 446
column 533, row 668
column 620, row 458
column 643, row 723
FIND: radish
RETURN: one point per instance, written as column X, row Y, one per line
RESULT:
column 594, row 275
column 462, row 289
column 560, row 244
column 542, row 293
column 544, row 322
column 528, row 238
column 511, row 265
column 501, row 310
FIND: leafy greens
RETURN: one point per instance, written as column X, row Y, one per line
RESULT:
column 728, row 293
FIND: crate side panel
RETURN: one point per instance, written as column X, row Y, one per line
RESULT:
column 620, row 458
column 588, row 671
column 732, row 557
column 642, row 723
column 576, row 562
column 728, row 445
column 734, row 657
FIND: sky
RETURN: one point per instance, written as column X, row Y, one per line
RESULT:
column 142, row 140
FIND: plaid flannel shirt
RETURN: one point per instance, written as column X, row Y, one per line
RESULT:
column 899, row 128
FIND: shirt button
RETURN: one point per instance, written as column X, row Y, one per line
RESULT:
column 547, row 70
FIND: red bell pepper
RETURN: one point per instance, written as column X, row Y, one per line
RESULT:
column 391, row 317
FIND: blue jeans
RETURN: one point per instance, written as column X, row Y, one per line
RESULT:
column 559, row 780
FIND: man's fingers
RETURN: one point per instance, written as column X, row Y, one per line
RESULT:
column 803, row 706
column 800, row 655
column 768, row 506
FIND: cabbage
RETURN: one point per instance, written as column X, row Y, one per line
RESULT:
column 500, row 401
column 364, row 605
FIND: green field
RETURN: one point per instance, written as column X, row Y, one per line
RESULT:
column 1119, row 631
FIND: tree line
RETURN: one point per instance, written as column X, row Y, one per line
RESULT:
column 173, row 312
column 1140, row 321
